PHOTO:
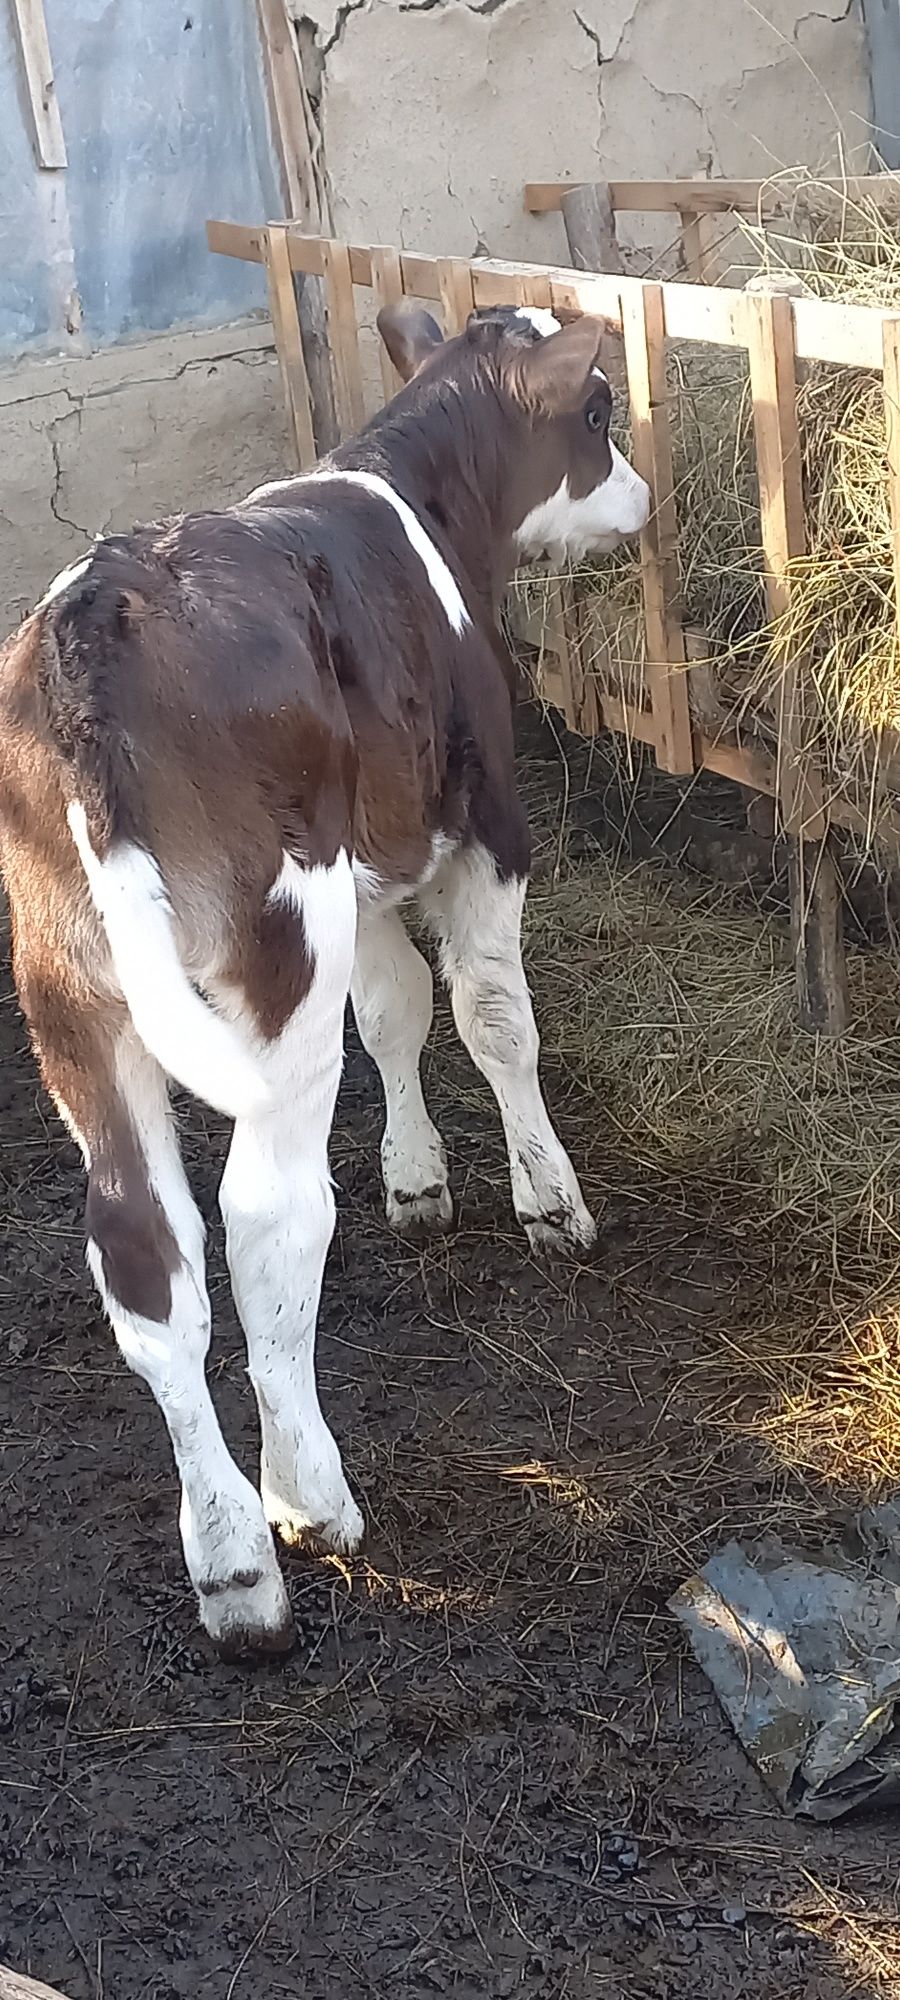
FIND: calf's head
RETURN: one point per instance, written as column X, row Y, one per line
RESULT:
column 566, row 488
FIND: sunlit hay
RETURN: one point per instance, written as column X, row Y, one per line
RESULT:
column 841, row 627
column 673, row 1009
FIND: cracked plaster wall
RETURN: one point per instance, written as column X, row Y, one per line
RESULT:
column 129, row 434
column 435, row 112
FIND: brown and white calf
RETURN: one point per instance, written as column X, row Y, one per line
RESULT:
column 231, row 746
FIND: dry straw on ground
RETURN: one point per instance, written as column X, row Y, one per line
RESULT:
column 670, row 1005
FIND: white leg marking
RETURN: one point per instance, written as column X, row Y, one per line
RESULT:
column 478, row 922
column 441, row 578
column 279, row 1217
column 392, row 1002
column 227, row 1545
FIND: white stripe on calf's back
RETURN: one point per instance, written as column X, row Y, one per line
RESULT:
column 442, row 581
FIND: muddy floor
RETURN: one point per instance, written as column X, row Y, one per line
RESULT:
column 489, row 1769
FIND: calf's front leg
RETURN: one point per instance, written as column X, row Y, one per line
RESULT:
column 477, row 916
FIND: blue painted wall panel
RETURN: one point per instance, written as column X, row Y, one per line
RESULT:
column 164, row 116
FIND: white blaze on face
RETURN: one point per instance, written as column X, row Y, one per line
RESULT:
column 569, row 529
column 611, row 513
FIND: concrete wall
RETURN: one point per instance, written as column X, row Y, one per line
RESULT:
column 434, row 112
column 185, row 420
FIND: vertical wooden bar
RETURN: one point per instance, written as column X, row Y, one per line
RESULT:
column 891, row 347
column 643, row 325
column 590, row 228
column 457, row 295
column 343, row 339
column 303, row 191
column 692, row 245
column 289, row 344
column 562, row 621
column 291, row 118
column 387, row 285
column 34, row 49
column 820, row 967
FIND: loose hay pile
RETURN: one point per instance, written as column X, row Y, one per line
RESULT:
column 842, row 615
column 671, row 1006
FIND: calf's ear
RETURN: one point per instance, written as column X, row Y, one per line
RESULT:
column 553, row 375
column 410, row 335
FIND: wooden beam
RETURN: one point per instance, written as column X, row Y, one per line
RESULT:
column 850, row 336
column 892, row 427
column 591, row 230
column 343, row 339
column 815, row 892
column 289, row 345
column 651, row 450
column 18, row 1986
column 290, row 114
column 718, row 197
column 456, row 293
column 301, row 191
column 387, row 284
column 34, row 49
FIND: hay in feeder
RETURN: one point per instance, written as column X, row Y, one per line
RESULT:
column 841, row 620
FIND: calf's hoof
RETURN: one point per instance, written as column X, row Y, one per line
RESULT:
column 248, row 1616
column 562, row 1235
column 417, row 1216
column 338, row 1526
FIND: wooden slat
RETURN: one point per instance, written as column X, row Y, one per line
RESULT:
column 343, row 337
column 692, row 246
column 18, row 1986
column 651, row 450
column 456, row 293
column 387, row 284
column 716, row 197
column 289, row 345
column 851, row 336
column 37, row 63
column 289, row 112
column 892, row 426
column 814, row 884
column 576, row 698
column 779, row 472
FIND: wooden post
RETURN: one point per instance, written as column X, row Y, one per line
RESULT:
column 387, row 285
column 457, row 295
column 591, row 230
column 288, row 344
column 34, row 48
column 17, row 1986
column 343, row 339
column 562, row 622
column 651, row 447
column 591, row 235
column 301, row 190
column 820, row 968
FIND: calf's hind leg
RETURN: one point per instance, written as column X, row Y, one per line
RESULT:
column 477, row 915
column 278, row 1209
column 146, row 1252
column 392, row 1003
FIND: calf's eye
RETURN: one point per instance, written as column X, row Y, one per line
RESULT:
column 595, row 419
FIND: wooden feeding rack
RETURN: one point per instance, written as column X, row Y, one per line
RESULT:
column 776, row 333
column 589, row 209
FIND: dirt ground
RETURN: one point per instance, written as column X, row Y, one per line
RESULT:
column 490, row 1768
